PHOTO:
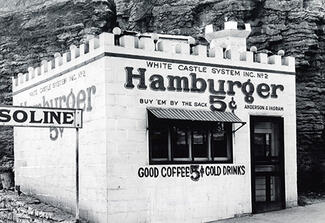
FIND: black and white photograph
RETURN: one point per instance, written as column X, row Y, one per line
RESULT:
column 162, row 111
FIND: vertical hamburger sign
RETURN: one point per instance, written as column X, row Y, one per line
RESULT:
column 19, row 116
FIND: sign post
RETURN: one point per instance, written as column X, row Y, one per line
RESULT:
column 77, row 175
column 19, row 116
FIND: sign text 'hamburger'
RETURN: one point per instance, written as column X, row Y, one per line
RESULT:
column 219, row 89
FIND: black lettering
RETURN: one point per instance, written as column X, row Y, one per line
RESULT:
column 221, row 87
column 179, row 81
column 56, row 116
column 195, row 172
column 4, row 115
column 173, row 171
column 130, row 76
column 231, row 85
column 163, row 171
column 218, row 170
column 274, row 88
column 46, row 117
column 66, row 117
column 32, row 118
column 195, row 81
column 243, row 169
column 21, row 119
column 207, row 170
column 155, row 172
column 202, row 171
column 141, row 172
column 187, row 170
column 169, row 172
column 183, row 171
column 234, row 170
column 149, row 63
column 262, row 89
column 157, row 82
column 248, row 90
column 215, row 100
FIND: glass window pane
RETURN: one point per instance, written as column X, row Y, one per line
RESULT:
column 159, row 144
column 219, row 141
column 260, row 188
column 262, row 145
column 180, row 142
column 268, row 145
column 174, row 141
column 200, row 143
column 259, row 144
column 275, row 182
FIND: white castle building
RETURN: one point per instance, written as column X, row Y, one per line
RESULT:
column 172, row 131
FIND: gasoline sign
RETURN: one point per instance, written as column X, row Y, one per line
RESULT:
column 40, row 117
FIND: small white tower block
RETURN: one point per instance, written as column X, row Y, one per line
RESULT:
column 231, row 38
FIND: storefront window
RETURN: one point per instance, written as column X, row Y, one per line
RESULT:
column 200, row 144
column 180, row 144
column 173, row 142
column 220, row 144
column 159, row 144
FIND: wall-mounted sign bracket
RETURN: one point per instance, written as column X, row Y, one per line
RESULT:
column 242, row 124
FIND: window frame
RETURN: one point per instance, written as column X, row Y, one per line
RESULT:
column 188, row 144
column 228, row 130
column 171, row 160
column 209, row 157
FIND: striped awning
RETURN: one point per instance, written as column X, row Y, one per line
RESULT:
column 194, row 115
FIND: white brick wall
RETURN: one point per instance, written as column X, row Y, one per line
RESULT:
column 46, row 167
column 135, row 199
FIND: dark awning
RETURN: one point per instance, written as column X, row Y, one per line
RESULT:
column 194, row 115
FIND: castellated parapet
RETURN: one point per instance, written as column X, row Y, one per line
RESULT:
column 227, row 47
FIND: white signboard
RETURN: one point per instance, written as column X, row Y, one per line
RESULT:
column 40, row 117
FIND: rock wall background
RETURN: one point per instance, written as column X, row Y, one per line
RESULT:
column 34, row 30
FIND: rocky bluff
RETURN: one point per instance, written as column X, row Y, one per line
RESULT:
column 34, row 30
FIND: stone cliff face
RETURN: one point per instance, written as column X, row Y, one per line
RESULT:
column 31, row 31
column 34, row 30
column 295, row 26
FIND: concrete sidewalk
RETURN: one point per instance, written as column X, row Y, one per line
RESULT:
column 314, row 213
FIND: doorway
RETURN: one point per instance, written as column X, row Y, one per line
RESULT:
column 267, row 159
